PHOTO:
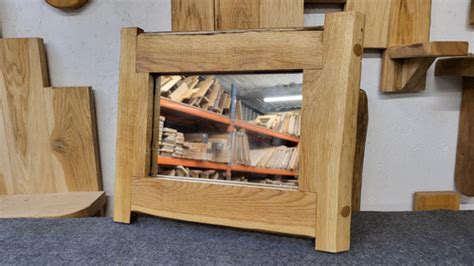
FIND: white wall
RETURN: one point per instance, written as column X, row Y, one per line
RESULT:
column 411, row 142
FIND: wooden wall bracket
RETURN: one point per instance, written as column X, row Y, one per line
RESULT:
column 464, row 170
column 404, row 67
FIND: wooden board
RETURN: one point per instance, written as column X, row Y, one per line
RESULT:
column 230, row 51
column 458, row 66
column 330, row 103
column 428, row 49
column 52, row 205
column 134, row 125
column 464, row 170
column 48, row 138
column 377, row 20
column 237, row 14
column 191, row 15
column 281, row 13
column 67, row 4
column 362, row 125
column 267, row 209
column 436, row 200
column 410, row 22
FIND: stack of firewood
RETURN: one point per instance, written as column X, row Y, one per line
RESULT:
column 203, row 92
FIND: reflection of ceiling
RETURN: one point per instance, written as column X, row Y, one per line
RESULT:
column 252, row 88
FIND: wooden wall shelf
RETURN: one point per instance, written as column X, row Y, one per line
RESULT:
column 404, row 67
column 464, row 170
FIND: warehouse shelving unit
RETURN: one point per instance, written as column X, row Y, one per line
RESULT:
column 196, row 112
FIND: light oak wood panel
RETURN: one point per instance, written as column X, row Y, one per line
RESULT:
column 191, row 15
column 234, row 51
column 464, row 170
column 67, row 4
column 237, row 14
column 328, row 136
column 73, row 136
column 436, row 200
column 460, row 66
column 48, row 135
column 362, row 125
column 410, row 22
column 267, row 209
column 281, row 13
column 377, row 14
column 428, row 49
column 134, row 125
column 53, row 205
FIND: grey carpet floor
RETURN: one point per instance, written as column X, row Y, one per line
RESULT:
column 377, row 238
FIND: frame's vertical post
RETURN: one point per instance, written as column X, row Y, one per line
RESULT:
column 330, row 127
column 134, row 124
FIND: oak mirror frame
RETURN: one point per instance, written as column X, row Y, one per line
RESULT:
column 330, row 60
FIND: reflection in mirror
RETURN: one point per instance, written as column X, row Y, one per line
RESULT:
column 235, row 128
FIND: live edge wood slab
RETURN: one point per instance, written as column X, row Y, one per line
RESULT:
column 464, row 170
column 331, row 72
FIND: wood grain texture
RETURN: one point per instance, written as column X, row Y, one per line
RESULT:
column 52, row 205
column 464, row 170
column 404, row 67
column 191, row 15
column 436, row 200
column 276, row 210
column 328, row 136
column 377, row 17
column 73, row 137
column 134, row 125
column 237, row 14
column 410, row 22
column 230, row 51
column 281, row 13
column 362, row 125
column 67, row 4
column 48, row 135
column 428, row 49
column 458, row 66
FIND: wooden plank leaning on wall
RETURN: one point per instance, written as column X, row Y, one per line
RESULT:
column 134, row 126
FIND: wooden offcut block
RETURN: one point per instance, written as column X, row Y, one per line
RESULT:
column 436, row 200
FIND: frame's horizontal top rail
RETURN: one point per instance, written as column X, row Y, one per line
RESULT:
column 233, row 51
